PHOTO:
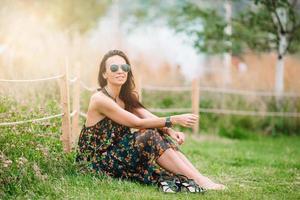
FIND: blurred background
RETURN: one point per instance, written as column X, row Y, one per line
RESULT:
column 244, row 53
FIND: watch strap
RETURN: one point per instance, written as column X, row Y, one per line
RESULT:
column 168, row 122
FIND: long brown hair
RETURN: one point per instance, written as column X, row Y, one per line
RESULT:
column 127, row 93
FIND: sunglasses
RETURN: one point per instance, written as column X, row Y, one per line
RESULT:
column 124, row 67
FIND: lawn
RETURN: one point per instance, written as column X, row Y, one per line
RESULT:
column 33, row 165
column 259, row 168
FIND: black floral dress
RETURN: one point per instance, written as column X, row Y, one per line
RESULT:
column 113, row 149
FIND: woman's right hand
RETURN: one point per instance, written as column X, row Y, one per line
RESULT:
column 186, row 120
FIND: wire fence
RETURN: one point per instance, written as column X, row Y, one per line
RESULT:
column 31, row 120
column 169, row 110
column 226, row 111
column 215, row 110
column 84, row 86
column 32, row 80
column 219, row 90
column 68, row 137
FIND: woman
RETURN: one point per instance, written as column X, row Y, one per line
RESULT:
column 107, row 143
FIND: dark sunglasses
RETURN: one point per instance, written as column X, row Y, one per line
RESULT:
column 124, row 67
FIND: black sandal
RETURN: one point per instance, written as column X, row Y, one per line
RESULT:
column 168, row 184
column 188, row 185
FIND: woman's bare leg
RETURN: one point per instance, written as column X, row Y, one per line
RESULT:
column 205, row 180
column 171, row 161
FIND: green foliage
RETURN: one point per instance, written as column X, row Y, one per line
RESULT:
column 262, row 34
column 167, row 102
column 266, row 25
column 205, row 28
column 70, row 15
column 164, row 99
column 235, row 132
column 77, row 15
column 253, row 24
column 30, row 155
column 232, row 126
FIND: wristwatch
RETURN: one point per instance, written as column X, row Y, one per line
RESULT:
column 168, row 122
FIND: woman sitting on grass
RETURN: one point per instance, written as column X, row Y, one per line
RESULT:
column 108, row 145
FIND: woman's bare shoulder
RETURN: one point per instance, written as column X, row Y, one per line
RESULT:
column 94, row 113
column 98, row 98
column 101, row 101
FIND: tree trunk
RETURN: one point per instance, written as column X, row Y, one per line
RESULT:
column 279, row 76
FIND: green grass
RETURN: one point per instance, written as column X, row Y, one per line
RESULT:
column 263, row 168
column 33, row 165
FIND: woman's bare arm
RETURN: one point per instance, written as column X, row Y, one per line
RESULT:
column 144, row 113
column 112, row 110
column 109, row 108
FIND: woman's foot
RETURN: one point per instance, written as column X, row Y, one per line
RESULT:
column 214, row 186
column 207, row 184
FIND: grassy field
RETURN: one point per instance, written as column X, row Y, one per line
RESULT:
column 33, row 165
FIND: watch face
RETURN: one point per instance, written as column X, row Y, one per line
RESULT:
column 168, row 122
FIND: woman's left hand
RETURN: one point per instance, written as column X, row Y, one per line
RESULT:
column 179, row 137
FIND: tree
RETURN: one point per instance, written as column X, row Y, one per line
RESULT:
column 76, row 15
column 276, row 25
column 258, row 25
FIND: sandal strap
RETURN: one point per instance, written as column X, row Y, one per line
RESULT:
column 168, row 184
column 188, row 183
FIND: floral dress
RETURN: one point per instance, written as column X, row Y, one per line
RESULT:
column 113, row 149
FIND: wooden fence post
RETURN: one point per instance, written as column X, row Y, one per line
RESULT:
column 65, row 103
column 195, row 102
column 76, row 106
